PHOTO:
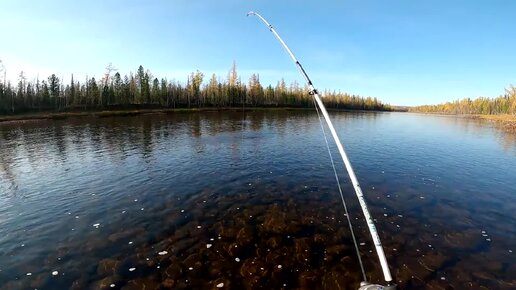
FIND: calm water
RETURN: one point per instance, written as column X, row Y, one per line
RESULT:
column 208, row 200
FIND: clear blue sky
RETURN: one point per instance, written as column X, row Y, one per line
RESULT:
column 403, row 52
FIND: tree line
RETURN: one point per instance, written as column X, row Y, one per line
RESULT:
column 143, row 90
column 505, row 104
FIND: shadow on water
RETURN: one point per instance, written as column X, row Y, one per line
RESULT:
column 248, row 201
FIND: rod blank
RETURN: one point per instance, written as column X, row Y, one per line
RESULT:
column 345, row 159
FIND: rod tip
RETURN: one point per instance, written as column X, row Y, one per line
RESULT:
column 251, row 13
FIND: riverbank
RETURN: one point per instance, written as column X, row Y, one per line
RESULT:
column 135, row 112
column 507, row 122
column 109, row 113
column 66, row 115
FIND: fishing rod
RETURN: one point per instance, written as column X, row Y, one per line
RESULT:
column 370, row 223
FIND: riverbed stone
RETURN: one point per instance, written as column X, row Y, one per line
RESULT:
column 141, row 284
column 244, row 236
column 108, row 267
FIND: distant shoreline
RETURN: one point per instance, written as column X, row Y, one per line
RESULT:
column 136, row 112
column 505, row 121
column 508, row 122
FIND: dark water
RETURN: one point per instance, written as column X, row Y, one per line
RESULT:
column 197, row 201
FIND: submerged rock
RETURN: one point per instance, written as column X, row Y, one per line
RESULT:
column 141, row 284
column 105, row 283
column 463, row 240
column 308, row 279
column 168, row 283
column 274, row 242
column 333, row 280
column 174, row 271
column 108, row 267
column 276, row 222
column 244, row 236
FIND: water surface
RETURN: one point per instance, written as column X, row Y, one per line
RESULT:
column 200, row 200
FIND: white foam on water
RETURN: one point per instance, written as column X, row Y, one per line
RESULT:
column 488, row 240
column 135, row 200
column 279, row 266
column 208, row 246
column 237, row 259
column 123, row 211
column 96, row 225
column 182, row 210
column 29, row 274
column 190, row 268
column 55, row 273
column 112, row 285
column 131, row 269
column 198, row 227
column 442, row 278
column 142, row 208
column 362, row 244
column 212, row 239
column 220, row 285
column 162, row 253
column 130, row 243
column 76, row 216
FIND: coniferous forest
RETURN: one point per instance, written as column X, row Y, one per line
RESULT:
column 143, row 90
column 505, row 104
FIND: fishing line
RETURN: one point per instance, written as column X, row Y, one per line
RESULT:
column 342, row 196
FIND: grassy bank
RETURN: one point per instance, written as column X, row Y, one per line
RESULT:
column 508, row 122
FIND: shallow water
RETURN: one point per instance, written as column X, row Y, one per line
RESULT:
column 223, row 201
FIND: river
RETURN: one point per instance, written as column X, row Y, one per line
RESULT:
column 228, row 200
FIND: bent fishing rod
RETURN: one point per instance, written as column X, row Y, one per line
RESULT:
column 370, row 223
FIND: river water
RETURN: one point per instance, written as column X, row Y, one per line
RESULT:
column 226, row 200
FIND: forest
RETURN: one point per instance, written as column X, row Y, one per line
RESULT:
column 505, row 104
column 142, row 90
